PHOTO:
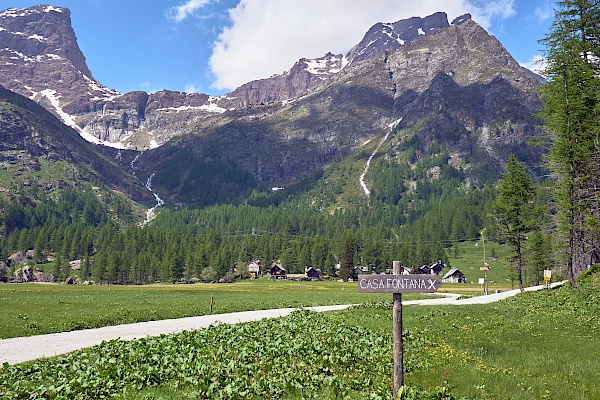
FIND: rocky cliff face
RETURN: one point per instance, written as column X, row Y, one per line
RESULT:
column 302, row 77
column 32, row 141
column 387, row 37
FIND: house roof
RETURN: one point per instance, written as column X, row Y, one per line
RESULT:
column 452, row 272
column 307, row 269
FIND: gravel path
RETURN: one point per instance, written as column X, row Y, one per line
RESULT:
column 22, row 349
column 452, row 299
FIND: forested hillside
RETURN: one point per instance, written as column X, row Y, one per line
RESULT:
column 409, row 217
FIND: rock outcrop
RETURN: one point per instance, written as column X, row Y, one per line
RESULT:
column 27, row 274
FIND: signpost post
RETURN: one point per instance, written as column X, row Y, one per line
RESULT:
column 398, row 284
column 482, row 282
column 485, row 269
column 547, row 277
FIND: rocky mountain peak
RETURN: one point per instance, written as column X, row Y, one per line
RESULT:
column 38, row 34
column 384, row 37
column 305, row 75
column 461, row 19
column 40, row 59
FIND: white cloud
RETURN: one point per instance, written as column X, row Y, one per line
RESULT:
column 180, row 12
column 536, row 64
column 266, row 37
column 191, row 88
column 544, row 11
column 485, row 11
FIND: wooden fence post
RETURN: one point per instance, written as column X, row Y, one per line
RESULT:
column 398, row 344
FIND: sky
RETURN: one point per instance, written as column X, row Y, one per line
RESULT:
column 214, row 46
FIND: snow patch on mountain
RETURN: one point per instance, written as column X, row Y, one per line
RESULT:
column 325, row 66
column 150, row 214
column 361, row 180
column 68, row 120
column 38, row 37
column 39, row 58
column 205, row 107
column 23, row 12
column 108, row 94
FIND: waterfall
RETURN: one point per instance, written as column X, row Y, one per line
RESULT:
column 150, row 214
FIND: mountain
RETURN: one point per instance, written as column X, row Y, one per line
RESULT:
column 39, row 152
column 386, row 37
column 457, row 86
column 424, row 80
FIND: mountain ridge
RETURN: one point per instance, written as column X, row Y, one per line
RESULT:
column 280, row 130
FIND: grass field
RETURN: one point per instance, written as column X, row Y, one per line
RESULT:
column 541, row 345
column 469, row 259
column 32, row 309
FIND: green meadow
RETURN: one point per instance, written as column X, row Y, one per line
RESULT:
column 540, row 345
column 469, row 258
column 33, row 309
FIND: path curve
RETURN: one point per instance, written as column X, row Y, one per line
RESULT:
column 490, row 298
column 28, row 348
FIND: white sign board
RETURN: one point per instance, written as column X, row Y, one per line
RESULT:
column 547, row 274
column 481, row 281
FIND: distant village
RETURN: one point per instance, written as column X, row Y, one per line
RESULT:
column 276, row 271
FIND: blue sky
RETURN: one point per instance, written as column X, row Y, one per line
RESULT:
column 214, row 46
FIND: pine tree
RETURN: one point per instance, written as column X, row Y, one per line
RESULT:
column 572, row 101
column 513, row 209
column 346, row 261
column 539, row 256
column 58, row 269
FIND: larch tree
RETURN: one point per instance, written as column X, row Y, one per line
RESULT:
column 571, row 106
column 514, row 212
column 346, row 261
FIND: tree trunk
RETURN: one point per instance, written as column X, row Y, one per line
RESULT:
column 519, row 263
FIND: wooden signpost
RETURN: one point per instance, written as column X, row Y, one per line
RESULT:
column 398, row 284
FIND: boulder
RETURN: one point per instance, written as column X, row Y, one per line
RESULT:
column 27, row 274
column 24, row 274
column 43, row 277
column 21, row 257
